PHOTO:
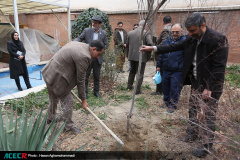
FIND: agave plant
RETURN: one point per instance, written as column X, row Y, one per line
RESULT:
column 19, row 134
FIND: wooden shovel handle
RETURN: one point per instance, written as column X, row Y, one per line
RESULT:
column 119, row 141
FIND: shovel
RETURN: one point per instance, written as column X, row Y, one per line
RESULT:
column 119, row 141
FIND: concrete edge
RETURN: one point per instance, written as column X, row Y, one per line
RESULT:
column 21, row 94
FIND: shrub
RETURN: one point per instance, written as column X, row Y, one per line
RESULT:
column 84, row 20
column 20, row 135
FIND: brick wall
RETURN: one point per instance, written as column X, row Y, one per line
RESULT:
column 227, row 22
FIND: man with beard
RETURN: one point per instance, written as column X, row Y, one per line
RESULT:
column 205, row 58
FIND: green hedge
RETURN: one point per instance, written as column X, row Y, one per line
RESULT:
column 84, row 20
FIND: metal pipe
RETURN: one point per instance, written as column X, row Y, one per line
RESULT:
column 69, row 22
column 16, row 17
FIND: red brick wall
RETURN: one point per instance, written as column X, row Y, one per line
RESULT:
column 227, row 22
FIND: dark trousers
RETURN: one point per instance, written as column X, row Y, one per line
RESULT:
column 96, row 75
column 133, row 72
column 26, row 80
column 171, row 85
column 159, row 86
column 202, row 113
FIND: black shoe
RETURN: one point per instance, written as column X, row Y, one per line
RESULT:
column 200, row 152
column 20, row 88
column 73, row 129
column 49, row 121
column 130, row 88
column 170, row 110
column 156, row 93
column 189, row 138
column 118, row 71
column 29, row 87
column 122, row 71
column 97, row 95
column 137, row 93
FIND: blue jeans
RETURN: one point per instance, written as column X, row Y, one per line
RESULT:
column 171, row 87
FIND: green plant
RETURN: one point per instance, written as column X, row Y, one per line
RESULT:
column 233, row 75
column 93, row 101
column 142, row 103
column 20, row 135
column 33, row 100
column 102, row 115
column 146, row 87
column 121, row 87
column 84, row 20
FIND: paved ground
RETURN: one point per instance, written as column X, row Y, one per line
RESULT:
column 8, row 88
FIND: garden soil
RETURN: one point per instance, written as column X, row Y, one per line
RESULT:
column 151, row 128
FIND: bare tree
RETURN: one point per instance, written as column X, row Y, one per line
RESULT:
column 149, row 16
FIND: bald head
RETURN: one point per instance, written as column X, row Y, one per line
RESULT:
column 176, row 31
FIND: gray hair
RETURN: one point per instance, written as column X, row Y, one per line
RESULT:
column 141, row 23
column 195, row 19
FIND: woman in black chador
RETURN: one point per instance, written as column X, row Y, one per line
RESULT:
column 17, row 63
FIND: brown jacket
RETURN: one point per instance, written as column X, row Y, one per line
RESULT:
column 67, row 69
column 164, row 34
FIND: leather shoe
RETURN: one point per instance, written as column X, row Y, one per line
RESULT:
column 138, row 93
column 20, row 88
column 73, row 129
column 29, row 87
column 200, row 152
column 49, row 121
column 97, row 95
column 130, row 88
column 189, row 138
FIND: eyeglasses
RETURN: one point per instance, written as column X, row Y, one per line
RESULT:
column 177, row 32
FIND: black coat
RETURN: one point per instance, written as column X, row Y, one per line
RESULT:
column 16, row 67
column 212, row 54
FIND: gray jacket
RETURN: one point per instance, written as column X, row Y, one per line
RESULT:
column 133, row 44
column 87, row 37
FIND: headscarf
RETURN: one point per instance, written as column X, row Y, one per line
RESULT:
column 16, row 42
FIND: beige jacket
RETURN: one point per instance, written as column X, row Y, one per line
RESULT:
column 133, row 43
column 67, row 68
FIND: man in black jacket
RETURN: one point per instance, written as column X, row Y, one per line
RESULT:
column 120, row 40
column 205, row 58
column 167, row 22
